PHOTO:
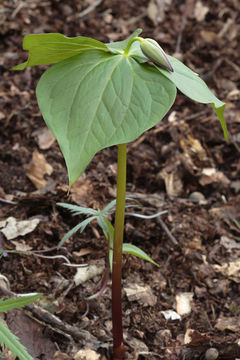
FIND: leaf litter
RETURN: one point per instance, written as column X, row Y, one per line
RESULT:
column 181, row 150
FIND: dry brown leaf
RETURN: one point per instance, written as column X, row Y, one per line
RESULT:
column 31, row 334
column 208, row 36
column 211, row 175
column 152, row 12
column 183, row 303
column 156, row 11
column 21, row 246
column 192, row 146
column 142, row 294
column 200, row 11
column 138, row 346
column 86, row 355
column 38, row 168
column 231, row 270
column 195, row 338
column 12, row 228
column 83, row 252
column 86, row 273
column 228, row 323
column 229, row 244
column 81, row 190
column 173, row 182
column 61, row 356
column 45, row 138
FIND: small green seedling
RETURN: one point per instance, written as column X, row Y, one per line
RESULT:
column 98, row 95
column 7, row 338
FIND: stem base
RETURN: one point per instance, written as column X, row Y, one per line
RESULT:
column 118, row 352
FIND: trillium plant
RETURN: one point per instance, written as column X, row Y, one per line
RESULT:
column 98, row 95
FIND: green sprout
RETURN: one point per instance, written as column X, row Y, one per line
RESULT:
column 7, row 338
column 97, row 95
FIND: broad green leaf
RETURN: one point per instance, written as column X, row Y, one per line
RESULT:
column 14, row 303
column 134, row 250
column 51, row 48
column 118, row 47
column 191, row 85
column 95, row 100
column 8, row 339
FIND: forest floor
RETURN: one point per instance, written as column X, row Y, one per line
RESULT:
column 182, row 165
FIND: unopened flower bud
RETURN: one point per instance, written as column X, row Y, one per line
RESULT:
column 153, row 51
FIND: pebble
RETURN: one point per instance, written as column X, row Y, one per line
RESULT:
column 197, row 196
column 211, row 354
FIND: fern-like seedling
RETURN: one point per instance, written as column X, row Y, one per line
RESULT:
column 7, row 338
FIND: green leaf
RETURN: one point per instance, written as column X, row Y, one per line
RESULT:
column 81, row 226
column 14, row 303
column 134, row 250
column 78, row 210
column 8, row 339
column 191, row 85
column 118, row 47
column 51, row 48
column 95, row 100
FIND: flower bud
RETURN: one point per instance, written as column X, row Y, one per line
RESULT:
column 153, row 51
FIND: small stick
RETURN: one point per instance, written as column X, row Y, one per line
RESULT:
column 167, row 231
column 53, row 321
column 89, row 8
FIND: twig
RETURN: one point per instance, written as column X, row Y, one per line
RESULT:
column 89, row 9
column 8, row 201
column 167, row 231
column 180, row 33
column 54, row 321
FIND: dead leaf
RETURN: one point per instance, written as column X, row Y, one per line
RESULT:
column 235, row 185
column 231, row 270
column 138, row 346
column 208, row 36
column 229, row 244
column 211, row 175
column 12, row 228
column 183, row 303
column 38, row 168
column 195, row 338
column 200, row 11
column 228, row 323
column 173, row 183
column 142, row 294
column 86, row 273
column 86, row 355
column 61, row 356
column 192, row 146
column 82, row 252
column 152, row 12
column 45, row 138
column 21, row 246
column 171, row 315
column 31, row 335
column 81, row 190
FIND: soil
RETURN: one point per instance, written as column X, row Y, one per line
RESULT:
column 183, row 165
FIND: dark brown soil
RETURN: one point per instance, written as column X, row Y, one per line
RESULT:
column 184, row 154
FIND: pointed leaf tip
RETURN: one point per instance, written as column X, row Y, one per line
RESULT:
column 191, row 85
column 52, row 48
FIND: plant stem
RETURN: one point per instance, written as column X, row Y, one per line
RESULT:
column 137, row 38
column 118, row 348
